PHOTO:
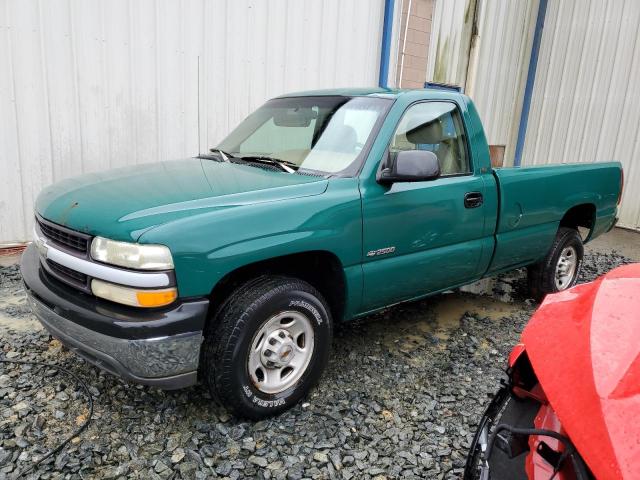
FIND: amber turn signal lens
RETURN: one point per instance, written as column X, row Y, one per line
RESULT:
column 133, row 296
column 156, row 298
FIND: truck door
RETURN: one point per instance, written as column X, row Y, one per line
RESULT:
column 421, row 237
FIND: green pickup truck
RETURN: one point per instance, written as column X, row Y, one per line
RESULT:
column 320, row 207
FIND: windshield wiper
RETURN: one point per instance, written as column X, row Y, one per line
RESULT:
column 224, row 155
column 288, row 167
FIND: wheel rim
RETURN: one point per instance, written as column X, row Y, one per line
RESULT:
column 281, row 351
column 566, row 268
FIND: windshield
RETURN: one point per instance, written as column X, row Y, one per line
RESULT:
column 325, row 134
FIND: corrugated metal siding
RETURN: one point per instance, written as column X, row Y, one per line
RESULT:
column 585, row 105
column 492, row 64
column 86, row 86
column 450, row 41
column 498, row 67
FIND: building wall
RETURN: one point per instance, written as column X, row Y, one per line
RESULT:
column 450, row 44
column 498, row 65
column 484, row 46
column 87, row 86
column 413, row 42
column 585, row 105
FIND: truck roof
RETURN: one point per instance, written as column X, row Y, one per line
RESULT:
column 367, row 92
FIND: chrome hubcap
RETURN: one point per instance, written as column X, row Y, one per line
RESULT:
column 566, row 268
column 280, row 352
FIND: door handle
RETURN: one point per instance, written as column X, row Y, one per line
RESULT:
column 472, row 199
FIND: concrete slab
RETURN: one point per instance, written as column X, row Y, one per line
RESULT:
column 10, row 256
column 625, row 242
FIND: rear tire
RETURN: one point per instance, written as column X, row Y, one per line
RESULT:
column 560, row 269
column 269, row 345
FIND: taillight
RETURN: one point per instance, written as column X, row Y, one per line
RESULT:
column 621, row 185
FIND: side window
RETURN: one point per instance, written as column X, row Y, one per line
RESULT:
column 437, row 127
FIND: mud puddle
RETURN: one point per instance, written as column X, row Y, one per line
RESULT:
column 433, row 320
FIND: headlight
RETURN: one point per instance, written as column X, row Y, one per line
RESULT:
column 131, row 255
column 133, row 296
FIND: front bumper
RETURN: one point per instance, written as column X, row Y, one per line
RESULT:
column 159, row 347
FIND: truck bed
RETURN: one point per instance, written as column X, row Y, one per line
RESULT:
column 534, row 200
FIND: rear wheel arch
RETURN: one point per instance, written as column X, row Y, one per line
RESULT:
column 583, row 215
column 320, row 268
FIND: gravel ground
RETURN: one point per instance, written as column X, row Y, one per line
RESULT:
column 400, row 399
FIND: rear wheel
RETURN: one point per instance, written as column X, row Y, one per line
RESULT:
column 268, row 346
column 559, row 270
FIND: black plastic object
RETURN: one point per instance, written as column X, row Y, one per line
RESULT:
column 410, row 166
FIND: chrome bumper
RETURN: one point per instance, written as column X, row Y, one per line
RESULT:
column 168, row 362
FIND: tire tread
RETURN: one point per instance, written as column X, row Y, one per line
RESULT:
column 540, row 275
column 231, row 319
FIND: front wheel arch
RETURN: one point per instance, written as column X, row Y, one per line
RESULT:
column 320, row 268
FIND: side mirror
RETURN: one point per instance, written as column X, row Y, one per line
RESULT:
column 410, row 166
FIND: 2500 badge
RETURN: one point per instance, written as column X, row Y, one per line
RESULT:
column 381, row 251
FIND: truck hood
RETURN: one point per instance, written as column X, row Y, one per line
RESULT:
column 124, row 203
column 583, row 346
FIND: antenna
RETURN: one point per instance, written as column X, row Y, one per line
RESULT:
column 198, row 80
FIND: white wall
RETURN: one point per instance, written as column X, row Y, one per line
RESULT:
column 489, row 60
column 498, row 67
column 585, row 105
column 87, row 85
column 451, row 31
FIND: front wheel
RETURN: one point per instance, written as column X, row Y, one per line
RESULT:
column 559, row 270
column 269, row 345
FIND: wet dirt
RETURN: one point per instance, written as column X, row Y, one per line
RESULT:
column 434, row 318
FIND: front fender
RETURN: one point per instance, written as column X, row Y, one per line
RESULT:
column 210, row 245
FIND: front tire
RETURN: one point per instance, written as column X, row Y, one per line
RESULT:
column 269, row 345
column 560, row 269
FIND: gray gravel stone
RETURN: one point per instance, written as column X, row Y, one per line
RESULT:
column 401, row 398
column 260, row 461
column 178, row 455
column 160, row 467
column 320, row 457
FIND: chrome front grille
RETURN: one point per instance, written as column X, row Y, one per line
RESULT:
column 64, row 256
column 76, row 241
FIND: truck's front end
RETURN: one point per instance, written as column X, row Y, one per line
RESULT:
column 132, row 301
column 114, row 303
column 220, row 267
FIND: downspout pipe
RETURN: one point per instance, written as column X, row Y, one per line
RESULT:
column 531, row 78
column 385, row 49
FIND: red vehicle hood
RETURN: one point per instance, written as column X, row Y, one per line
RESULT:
column 584, row 346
